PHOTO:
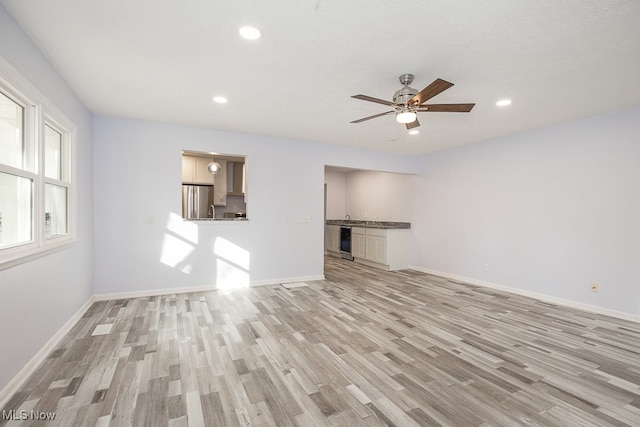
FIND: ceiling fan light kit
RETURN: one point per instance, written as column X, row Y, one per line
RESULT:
column 406, row 117
column 407, row 102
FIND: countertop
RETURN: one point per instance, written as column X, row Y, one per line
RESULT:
column 216, row 219
column 369, row 224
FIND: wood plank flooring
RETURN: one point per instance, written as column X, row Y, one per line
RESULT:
column 365, row 347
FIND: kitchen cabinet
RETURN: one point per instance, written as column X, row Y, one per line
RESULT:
column 358, row 242
column 201, row 172
column 220, row 184
column 195, row 170
column 188, row 169
column 376, row 246
column 386, row 248
column 332, row 238
column 391, row 250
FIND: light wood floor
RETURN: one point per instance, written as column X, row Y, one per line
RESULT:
column 364, row 347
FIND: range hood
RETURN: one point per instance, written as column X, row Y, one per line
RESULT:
column 235, row 178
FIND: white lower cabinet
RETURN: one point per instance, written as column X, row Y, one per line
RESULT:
column 358, row 242
column 332, row 238
column 397, row 249
column 377, row 247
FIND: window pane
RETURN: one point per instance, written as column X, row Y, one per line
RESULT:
column 52, row 153
column 11, row 133
column 15, row 210
column 55, row 208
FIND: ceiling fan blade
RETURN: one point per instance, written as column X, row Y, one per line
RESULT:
column 430, row 91
column 373, row 117
column 451, row 108
column 413, row 124
column 372, row 99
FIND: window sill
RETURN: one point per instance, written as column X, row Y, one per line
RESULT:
column 25, row 256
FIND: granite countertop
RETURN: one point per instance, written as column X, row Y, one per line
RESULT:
column 369, row 224
column 216, row 219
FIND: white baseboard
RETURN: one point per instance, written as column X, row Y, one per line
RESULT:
column 201, row 288
column 287, row 280
column 23, row 375
column 151, row 293
column 542, row 297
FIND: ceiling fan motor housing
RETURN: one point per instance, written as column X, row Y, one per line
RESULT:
column 402, row 96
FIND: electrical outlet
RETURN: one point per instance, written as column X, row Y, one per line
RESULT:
column 151, row 220
column 485, row 267
column 595, row 287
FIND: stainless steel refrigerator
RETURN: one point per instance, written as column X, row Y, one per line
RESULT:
column 197, row 201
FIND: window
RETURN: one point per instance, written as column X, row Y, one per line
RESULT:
column 36, row 163
column 55, row 186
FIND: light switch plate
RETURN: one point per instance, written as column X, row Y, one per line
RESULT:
column 303, row 219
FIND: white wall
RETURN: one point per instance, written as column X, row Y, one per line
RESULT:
column 547, row 212
column 39, row 297
column 137, row 176
column 336, row 194
column 369, row 195
column 379, row 196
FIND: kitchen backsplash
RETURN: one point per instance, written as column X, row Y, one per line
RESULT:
column 234, row 204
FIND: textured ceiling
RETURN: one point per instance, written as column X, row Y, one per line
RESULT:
column 163, row 60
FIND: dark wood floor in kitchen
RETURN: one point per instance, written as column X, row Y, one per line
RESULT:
column 364, row 347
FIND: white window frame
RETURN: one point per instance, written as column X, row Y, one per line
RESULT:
column 38, row 111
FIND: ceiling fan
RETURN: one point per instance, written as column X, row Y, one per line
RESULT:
column 408, row 101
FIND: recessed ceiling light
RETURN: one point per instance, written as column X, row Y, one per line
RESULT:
column 503, row 102
column 414, row 132
column 220, row 99
column 250, row 33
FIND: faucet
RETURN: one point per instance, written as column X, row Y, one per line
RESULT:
column 212, row 211
column 347, row 217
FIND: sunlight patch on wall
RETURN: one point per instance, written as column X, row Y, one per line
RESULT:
column 175, row 253
column 178, row 243
column 185, row 229
column 232, row 265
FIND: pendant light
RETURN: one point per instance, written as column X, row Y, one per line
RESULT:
column 213, row 167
